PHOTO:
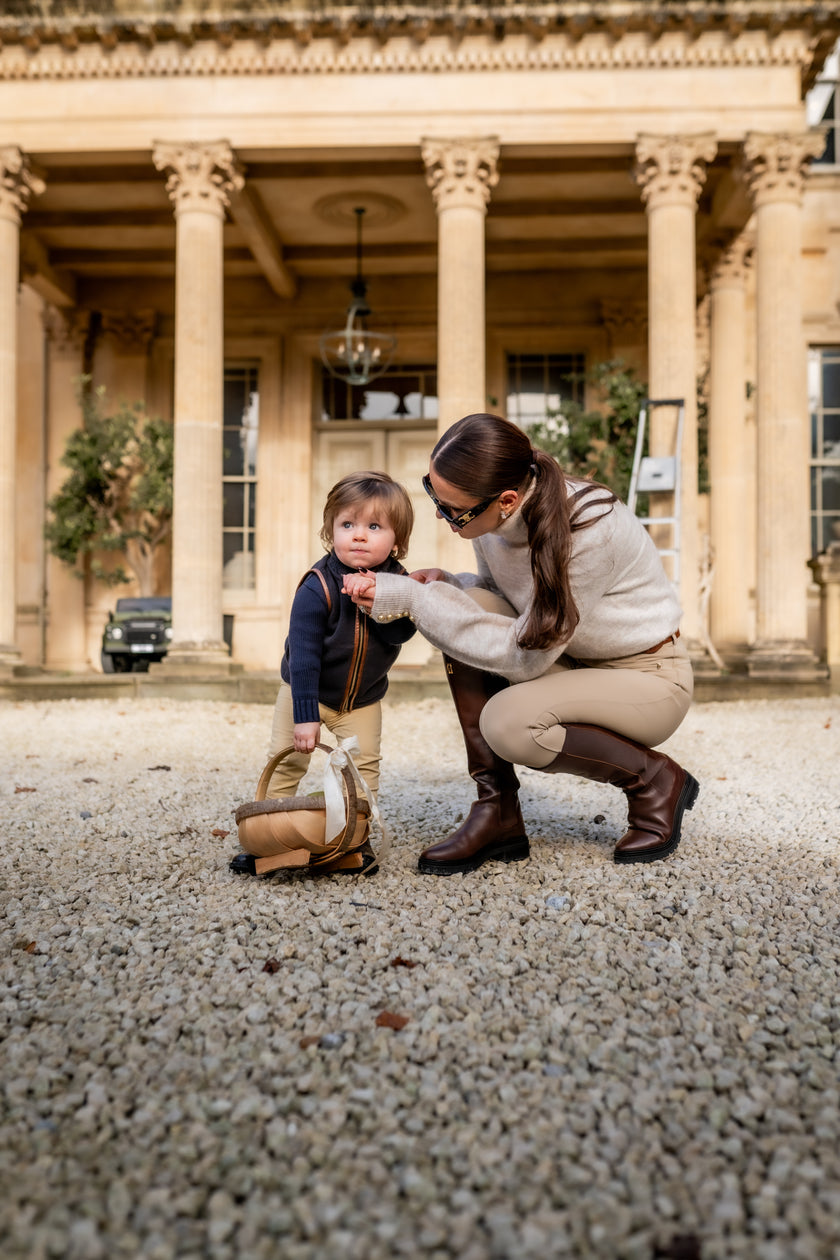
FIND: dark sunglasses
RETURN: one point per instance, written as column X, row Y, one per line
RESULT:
column 463, row 518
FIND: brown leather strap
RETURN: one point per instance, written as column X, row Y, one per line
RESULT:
column 319, row 575
column 672, row 638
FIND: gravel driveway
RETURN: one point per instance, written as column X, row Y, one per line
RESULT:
column 598, row 1060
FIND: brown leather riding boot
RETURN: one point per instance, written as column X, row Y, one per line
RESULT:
column 493, row 831
column 658, row 790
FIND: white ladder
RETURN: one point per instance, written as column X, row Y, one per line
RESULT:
column 660, row 474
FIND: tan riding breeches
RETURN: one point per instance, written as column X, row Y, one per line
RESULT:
column 365, row 723
column 644, row 697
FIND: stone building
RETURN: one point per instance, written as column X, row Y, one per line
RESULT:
column 544, row 187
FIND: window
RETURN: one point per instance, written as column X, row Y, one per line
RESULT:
column 824, row 403
column 239, row 475
column 538, row 384
column 821, row 105
column 407, row 392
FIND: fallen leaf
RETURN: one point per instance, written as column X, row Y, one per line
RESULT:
column 271, row 965
column 681, row 1247
column 389, row 1019
column 827, row 725
column 217, row 831
column 306, row 1042
column 23, row 789
column 402, row 962
column 90, row 780
column 722, row 778
column 28, row 947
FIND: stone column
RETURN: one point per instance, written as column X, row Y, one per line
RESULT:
column 730, row 477
column 670, row 171
column 774, row 169
column 201, row 180
column 66, row 639
column 461, row 174
column 17, row 184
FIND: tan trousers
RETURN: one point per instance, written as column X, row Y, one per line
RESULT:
column 644, row 697
column 365, row 723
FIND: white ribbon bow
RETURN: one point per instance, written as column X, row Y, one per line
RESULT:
column 334, row 798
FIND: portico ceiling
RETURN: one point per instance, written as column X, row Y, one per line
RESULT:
column 105, row 217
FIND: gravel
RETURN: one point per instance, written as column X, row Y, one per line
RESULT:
column 557, row 1058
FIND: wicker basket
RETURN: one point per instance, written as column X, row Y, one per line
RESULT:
column 290, row 833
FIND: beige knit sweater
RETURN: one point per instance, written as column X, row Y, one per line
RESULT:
column 625, row 600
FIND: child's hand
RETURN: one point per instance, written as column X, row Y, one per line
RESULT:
column 427, row 575
column 307, row 735
column 361, row 587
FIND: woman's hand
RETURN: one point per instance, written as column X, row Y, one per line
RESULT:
column 307, row 735
column 361, row 587
column 428, row 575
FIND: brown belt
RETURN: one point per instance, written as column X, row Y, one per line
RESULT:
column 672, row 638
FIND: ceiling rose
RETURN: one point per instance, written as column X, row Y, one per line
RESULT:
column 339, row 209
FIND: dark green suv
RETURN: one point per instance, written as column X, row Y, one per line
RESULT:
column 137, row 632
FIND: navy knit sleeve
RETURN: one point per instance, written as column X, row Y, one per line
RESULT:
column 307, row 627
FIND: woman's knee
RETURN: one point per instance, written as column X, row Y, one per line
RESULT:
column 500, row 728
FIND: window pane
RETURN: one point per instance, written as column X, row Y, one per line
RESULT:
column 831, row 489
column 831, row 436
column 830, row 531
column 234, row 505
column 233, row 455
column 831, row 383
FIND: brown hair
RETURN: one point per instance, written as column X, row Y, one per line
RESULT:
column 358, row 488
column 485, row 455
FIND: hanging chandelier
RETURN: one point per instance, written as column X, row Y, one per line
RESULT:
column 354, row 353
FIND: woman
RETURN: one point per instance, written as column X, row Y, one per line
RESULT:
column 562, row 653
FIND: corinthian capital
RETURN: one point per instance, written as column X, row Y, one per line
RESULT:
column 672, row 169
column 734, row 262
column 201, row 176
column 461, row 172
column 66, row 328
column 18, row 182
column 775, row 163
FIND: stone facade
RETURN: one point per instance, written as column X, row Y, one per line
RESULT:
column 177, row 193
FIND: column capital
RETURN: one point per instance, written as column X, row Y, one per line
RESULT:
column 18, row 182
column 201, row 176
column 775, row 164
column 671, row 170
column 619, row 316
column 733, row 263
column 133, row 330
column 66, row 328
column 461, row 172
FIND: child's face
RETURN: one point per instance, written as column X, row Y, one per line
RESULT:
column 362, row 535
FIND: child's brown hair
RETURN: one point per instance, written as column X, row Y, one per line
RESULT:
column 357, row 488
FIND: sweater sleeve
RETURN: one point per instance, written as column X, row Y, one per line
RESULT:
column 452, row 621
column 307, row 627
column 396, row 632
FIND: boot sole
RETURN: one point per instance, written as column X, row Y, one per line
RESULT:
column 507, row 851
column 687, row 797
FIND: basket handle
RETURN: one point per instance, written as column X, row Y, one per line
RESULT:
column 340, row 843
